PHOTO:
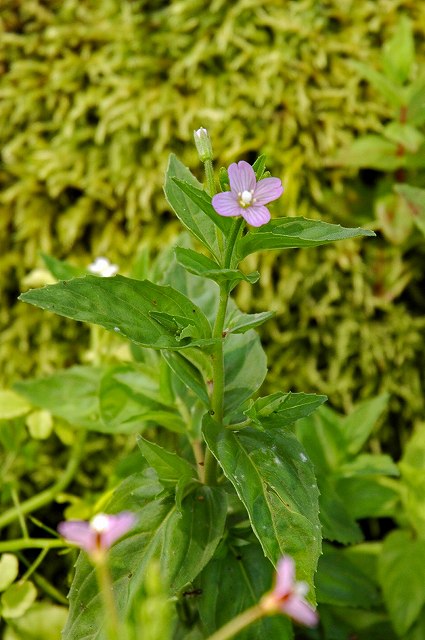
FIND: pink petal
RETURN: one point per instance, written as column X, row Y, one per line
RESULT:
column 119, row 525
column 285, row 577
column 241, row 177
column 78, row 532
column 226, row 204
column 300, row 611
column 267, row 190
column 256, row 216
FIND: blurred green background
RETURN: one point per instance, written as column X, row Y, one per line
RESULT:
column 94, row 96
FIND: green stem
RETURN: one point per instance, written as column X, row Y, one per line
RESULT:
column 209, row 174
column 44, row 584
column 47, row 496
column 31, row 543
column 106, row 589
column 237, row 624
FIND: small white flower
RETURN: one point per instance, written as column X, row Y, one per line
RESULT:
column 103, row 267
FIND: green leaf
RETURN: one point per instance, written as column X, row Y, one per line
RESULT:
column 124, row 306
column 259, row 166
column 187, row 373
column 405, row 135
column 280, row 410
column 183, row 541
column 416, row 103
column 125, row 407
column 337, row 522
column 17, row 599
column 341, row 583
column 372, row 152
column 275, row 481
column 398, row 53
column 169, row 466
column 369, row 496
column 201, row 198
column 189, row 213
column 290, row 233
column 245, row 367
column 367, row 464
column 62, row 270
column 12, row 405
column 358, row 425
column 233, row 582
column 238, row 322
column 389, row 89
column 41, row 620
column 202, row 266
column 71, row 394
column 415, row 198
column 402, row 578
column 9, row 569
column 322, row 437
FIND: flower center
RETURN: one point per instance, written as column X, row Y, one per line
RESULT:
column 245, row 198
column 100, row 523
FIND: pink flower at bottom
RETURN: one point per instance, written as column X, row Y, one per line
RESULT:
column 98, row 535
column 288, row 595
column 247, row 197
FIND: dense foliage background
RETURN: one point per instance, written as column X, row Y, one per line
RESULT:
column 94, row 95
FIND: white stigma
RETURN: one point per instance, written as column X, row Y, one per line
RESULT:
column 100, row 523
column 245, row 198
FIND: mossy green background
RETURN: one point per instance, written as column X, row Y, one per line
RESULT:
column 94, row 96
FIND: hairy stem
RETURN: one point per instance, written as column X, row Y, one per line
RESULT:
column 106, row 589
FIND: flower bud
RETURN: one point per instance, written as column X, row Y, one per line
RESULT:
column 203, row 144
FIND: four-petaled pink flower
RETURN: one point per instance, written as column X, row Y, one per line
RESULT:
column 98, row 535
column 288, row 595
column 247, row 197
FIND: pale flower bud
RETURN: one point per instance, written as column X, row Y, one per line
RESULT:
column 203, row 144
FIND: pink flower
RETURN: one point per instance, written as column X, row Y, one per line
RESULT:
column 98, row 535
column 247, row 197
column 288, row 595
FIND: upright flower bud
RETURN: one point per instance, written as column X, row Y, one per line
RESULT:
column 203, row 144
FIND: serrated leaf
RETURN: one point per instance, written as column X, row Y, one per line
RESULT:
column 402, row 578
column 183, row 541
column 245, row 574
column 290, row 233
column 200, row 265
column 169, row 466
column 124, row 306
column 238, row 322
column 275, row 481
column 201, row 198
column 189, row 213
column 280, row 410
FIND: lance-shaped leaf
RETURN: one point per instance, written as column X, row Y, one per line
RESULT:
column 238, row 322
column 169, row 466
column 291, row 233
column 245, row 368
column 188, row 212
column 62, row 270
column 127, row 307
column 200, row 265
column 275, row 481
column 415, row 198
column 183, row 541
column 187, row 373
column 246, row 574
column 203, row 201
column 282, row 409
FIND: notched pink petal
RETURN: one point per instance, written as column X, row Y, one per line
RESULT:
column 119, row 525
column 285, row 576
column 256, row 216
column 78, row 532
column 241, row 177
column 267, row 190
column 226, row 204
column 300, row 611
